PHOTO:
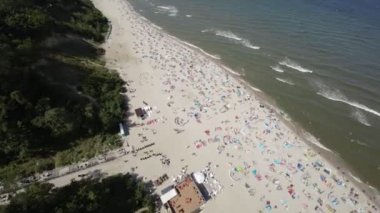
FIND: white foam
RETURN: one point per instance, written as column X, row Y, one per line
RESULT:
column 143, row 18
column 291, row 64
column 355, row 178
column 233, row 37
column 228, row 34
column 359, row 116
column 248, row 44
column 242, row 71
column 200, row 49
column 189, row 16
column 315, row 142
column 170, row 10
column 225, row 34
column 285, row 81
column 339, row 97
column 277, row 68
column 155, row 26
column 254, row 88
column 231, row 71
column 357, row 141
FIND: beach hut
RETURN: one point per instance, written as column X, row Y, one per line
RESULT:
column 141, row 113
column 199, row 177
column 123, row 129
column 168, row 195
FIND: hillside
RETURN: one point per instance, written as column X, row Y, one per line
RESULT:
column 58, row 103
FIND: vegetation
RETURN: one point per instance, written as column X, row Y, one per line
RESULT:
column 86, row 148
column 121, row 193
column 58, row 104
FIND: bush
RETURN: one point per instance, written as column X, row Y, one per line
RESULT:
column 121, row 193
column 87, row 149
column 43, row 108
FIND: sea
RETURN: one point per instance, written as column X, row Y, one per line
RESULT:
column 317, row 60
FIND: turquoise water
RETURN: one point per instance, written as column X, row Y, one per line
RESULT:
column 318, row 60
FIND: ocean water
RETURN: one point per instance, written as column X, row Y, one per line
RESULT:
column 318, row 60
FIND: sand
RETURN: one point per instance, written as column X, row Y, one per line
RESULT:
column 202, row 115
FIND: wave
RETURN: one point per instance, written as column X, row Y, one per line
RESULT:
column 200, row 49
column 232, row 36
column 339, row 97
column 358, row 142
column 189, row 16
column 248, row 44
column 242, row 71
column 170, row 10
column 255, row 89
column 356, row 178
column 359, row 116
column 291, row 64
column 226, row 34
column 157, row 27
column 316, row 143
column 277, row 68
column 285, row 81
column 231, row 71
column 310, row 138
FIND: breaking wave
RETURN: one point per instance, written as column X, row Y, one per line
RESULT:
column 170, row 10
column 336, row 95
column 341, row 98
column 277, row 68
column 255, row 89
column 231, row 71
column 233, row 37
column 248, row 44
column 314, row 141
column 291, row 64
column 285, row 81
column 216, row 57
column 225, row 34
column 359, row 116
column 356, row 178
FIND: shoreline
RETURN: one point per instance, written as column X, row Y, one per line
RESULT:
column 262, row 98
column 326, row 153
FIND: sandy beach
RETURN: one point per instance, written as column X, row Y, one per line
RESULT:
column 201, row 115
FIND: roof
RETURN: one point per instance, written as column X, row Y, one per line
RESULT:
column 121, row 129
column 199, row 177
column 168, row 195
column 140, row 112
column 189, row 198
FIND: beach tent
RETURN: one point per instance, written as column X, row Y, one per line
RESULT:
column 141, row 113
column 199, row 177
column 121, row 129
column 168, row 195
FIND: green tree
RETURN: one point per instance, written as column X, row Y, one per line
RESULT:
column 50, row 98
column 121, row 193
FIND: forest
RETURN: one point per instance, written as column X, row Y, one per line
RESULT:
column 58, row 102
column 120, row 193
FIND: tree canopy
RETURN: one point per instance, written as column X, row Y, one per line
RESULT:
column 121, row 193
column 54, row 90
